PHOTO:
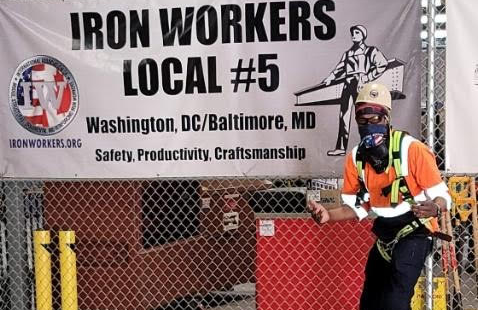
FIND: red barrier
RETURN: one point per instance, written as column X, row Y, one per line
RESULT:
column 307, row 266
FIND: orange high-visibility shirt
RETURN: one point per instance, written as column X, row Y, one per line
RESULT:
column 423, row 173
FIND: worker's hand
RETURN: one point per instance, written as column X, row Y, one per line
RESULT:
column 328, row 80
column 424, row 209
column 319, row 213
column 363, row 79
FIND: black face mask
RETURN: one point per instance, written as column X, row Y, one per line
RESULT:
column 374, row 145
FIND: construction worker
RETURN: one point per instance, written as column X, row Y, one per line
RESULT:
column 394, row 177
column 358, row 65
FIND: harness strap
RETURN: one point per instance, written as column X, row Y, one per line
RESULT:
column 386, row 248
column 363, row 189
column 399, row 185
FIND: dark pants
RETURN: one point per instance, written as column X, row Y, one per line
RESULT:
column 349, row 95
column 390, row 286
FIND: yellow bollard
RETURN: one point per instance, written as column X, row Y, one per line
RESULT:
column 41, row 239
column 69, row 294
column 439, row 294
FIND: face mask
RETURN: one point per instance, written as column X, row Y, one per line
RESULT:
column 372, row 135
column 374, row 145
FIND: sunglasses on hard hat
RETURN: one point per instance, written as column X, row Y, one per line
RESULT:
column 375, row 119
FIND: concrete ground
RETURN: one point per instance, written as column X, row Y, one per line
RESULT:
column 245, row 298
column 469, row 291
column 247, row 304
column 469, row 294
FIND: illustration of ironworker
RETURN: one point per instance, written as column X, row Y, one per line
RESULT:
column 358, row 65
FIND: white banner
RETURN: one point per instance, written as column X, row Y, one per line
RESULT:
column 102, row 89
column 461, row 87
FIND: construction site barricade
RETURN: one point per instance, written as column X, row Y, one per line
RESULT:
column 303, row 265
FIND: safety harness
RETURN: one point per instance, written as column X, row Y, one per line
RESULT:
column 386, row 248
column 399, row 185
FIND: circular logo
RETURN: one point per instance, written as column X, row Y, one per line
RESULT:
column 373, row 94
column 43, row 95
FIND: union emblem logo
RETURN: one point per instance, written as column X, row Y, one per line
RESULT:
column 43, row 95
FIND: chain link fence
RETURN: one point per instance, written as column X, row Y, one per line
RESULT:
column 197, row 244
column 203, row 243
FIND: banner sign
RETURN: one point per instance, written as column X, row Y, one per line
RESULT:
column 461, row 86
column 121, row 89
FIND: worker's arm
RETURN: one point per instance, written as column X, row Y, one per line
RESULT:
column 322, row 215
column 345, row 211
column 430, row 208
column 423, row 168
column 379, row 65
column 337, row 72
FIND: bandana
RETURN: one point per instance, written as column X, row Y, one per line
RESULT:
column 374, row 145
column 367, row 108
column 373, row 135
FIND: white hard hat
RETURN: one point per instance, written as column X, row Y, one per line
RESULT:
column 360, row 28
column 376, row 94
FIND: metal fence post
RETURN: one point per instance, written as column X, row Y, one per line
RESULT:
column 17, row 252
column 430, row 130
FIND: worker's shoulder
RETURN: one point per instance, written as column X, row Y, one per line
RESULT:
column 413, row 144
column 417, row 146
column 350, row 157
column 371, row 48
column 351, row 153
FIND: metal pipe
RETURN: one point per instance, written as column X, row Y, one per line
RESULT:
column 430, row 131
column 43, row 282
column 431, row 74
column 69, row 294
